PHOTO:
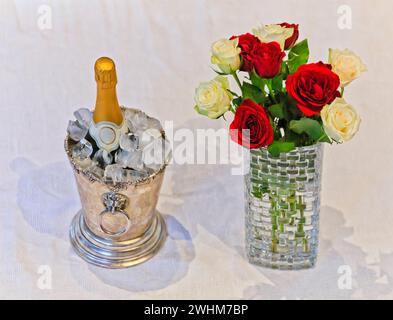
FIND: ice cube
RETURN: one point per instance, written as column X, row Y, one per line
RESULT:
column 83, row 116
column 121, row 157
column 139, row 121
column 116, row 173
column 129, row 113
column 148, row 136
column 135, row 161
column 130, row 126
column 129, row 142
column 103, row 158
column 133, row 175
column 95, row 170
column 153, row 132
column 156, row 154
column 82, row 150
column 130, row 159
column 153, row 123
column 145, row 140
column 76, row 130
column 84, row 164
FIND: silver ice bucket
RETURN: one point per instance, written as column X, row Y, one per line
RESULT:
column 118, row 225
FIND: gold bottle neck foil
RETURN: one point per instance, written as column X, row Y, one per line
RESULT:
column 107, row 107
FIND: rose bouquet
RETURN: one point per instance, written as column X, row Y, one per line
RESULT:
column 284, row 109
column 284, row 101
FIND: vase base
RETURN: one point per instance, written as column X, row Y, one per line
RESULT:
column 283, row 264
column 109, row 253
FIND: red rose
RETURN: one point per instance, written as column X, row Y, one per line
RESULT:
column 313, row 86
column 289, row 43
column 253, row 119
column 266, row 59
column 246, row 43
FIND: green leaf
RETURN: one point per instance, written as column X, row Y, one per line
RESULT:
column 256, row 80
column 290, row 106
column 298, row 55
column 252, row 92
column 277, row 84
column 233, row 93
column 278, row 147
column 297, row 139
column 236, row 102
column 219, row 72
column 310, row 127
column 257, row 193
column 277, row 111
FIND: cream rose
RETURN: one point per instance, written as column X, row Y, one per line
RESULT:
column 226, row 55
column 346, row 64
column 273, row 32
column 340, row 120
column 212, row 98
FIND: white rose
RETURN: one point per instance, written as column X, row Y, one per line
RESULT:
column 273, row 32
column 212, row 98
column 226, row 55
column 340, row 120
column 346, row 64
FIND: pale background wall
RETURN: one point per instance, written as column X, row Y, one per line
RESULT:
column 161, row 48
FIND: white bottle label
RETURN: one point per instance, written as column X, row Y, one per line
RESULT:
column 107, row 134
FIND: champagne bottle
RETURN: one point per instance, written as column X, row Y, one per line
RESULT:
column 108, row 121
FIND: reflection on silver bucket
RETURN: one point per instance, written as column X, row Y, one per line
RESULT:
column 118, row 225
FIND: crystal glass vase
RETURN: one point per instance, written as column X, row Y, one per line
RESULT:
column 282, row 207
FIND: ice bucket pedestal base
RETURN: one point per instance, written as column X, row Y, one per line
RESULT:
column 114, row 254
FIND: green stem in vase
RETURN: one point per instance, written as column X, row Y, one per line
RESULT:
column 273, row 202
column 283, row 217
column 301, row 208
column 305, row 245
column 301, row 232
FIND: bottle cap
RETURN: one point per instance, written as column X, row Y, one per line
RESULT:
column 105, row 72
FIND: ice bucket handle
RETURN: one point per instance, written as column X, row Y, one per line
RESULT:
column 114, row 203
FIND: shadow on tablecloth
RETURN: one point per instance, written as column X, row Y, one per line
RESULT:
column 337, row 258
column 167, row 267
column 213, row 198
column 46, row 196
column 207, row 195
column 48, row 200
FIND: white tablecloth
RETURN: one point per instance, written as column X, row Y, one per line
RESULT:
column 161, row 48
